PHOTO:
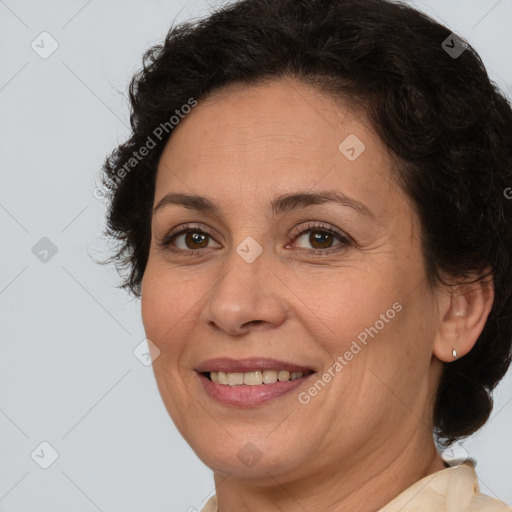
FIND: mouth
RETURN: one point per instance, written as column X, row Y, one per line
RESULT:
column 250, row 382
column 254, row 378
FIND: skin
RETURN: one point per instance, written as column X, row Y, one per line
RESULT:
column 367, row 435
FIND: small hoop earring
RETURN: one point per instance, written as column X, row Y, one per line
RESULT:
column 454, row 354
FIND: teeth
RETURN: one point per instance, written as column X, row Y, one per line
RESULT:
column 254, row 378
column 235, row 379
column 269, row 376
column 283, row 376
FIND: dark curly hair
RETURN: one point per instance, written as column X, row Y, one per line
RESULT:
column 430, row 100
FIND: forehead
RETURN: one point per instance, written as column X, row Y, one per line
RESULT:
column 282, row 115
column 267, row 139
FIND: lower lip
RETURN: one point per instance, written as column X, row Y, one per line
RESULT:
column 247, row 396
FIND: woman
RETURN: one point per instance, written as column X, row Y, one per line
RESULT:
column 312, row 209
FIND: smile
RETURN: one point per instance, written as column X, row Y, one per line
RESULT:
column 254, row 378
column 251, row 381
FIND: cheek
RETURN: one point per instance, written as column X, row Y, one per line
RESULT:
column 165, row 305
column 343, row 307
column 151, row 304
column 373, row 322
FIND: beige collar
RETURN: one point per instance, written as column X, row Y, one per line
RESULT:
column 454, row 489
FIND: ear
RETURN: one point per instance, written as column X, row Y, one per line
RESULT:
column 463, row 311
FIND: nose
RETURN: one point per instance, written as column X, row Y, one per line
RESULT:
column 246, row 296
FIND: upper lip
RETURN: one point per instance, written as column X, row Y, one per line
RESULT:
column 251, row 364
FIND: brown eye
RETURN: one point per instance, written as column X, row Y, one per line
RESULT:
column 195, row 239
column 190, row 240
column 321, row 239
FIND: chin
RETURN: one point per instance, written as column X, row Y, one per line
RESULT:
column 249, row 461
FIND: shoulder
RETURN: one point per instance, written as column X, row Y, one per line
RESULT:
column 454, row 489
column 484, row 503
column 464, row 486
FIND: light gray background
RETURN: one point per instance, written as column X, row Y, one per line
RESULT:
column 67, row 370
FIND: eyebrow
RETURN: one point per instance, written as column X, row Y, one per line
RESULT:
column 281, row 204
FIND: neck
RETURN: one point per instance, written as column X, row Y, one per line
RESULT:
column 366, row 486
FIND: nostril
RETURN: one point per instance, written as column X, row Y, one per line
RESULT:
column 255, row 322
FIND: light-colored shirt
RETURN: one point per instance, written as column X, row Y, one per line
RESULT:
column 454, row 489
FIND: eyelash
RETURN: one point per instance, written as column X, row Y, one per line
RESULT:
column 166, row 242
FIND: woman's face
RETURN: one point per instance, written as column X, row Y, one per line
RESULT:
column 248, row 285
